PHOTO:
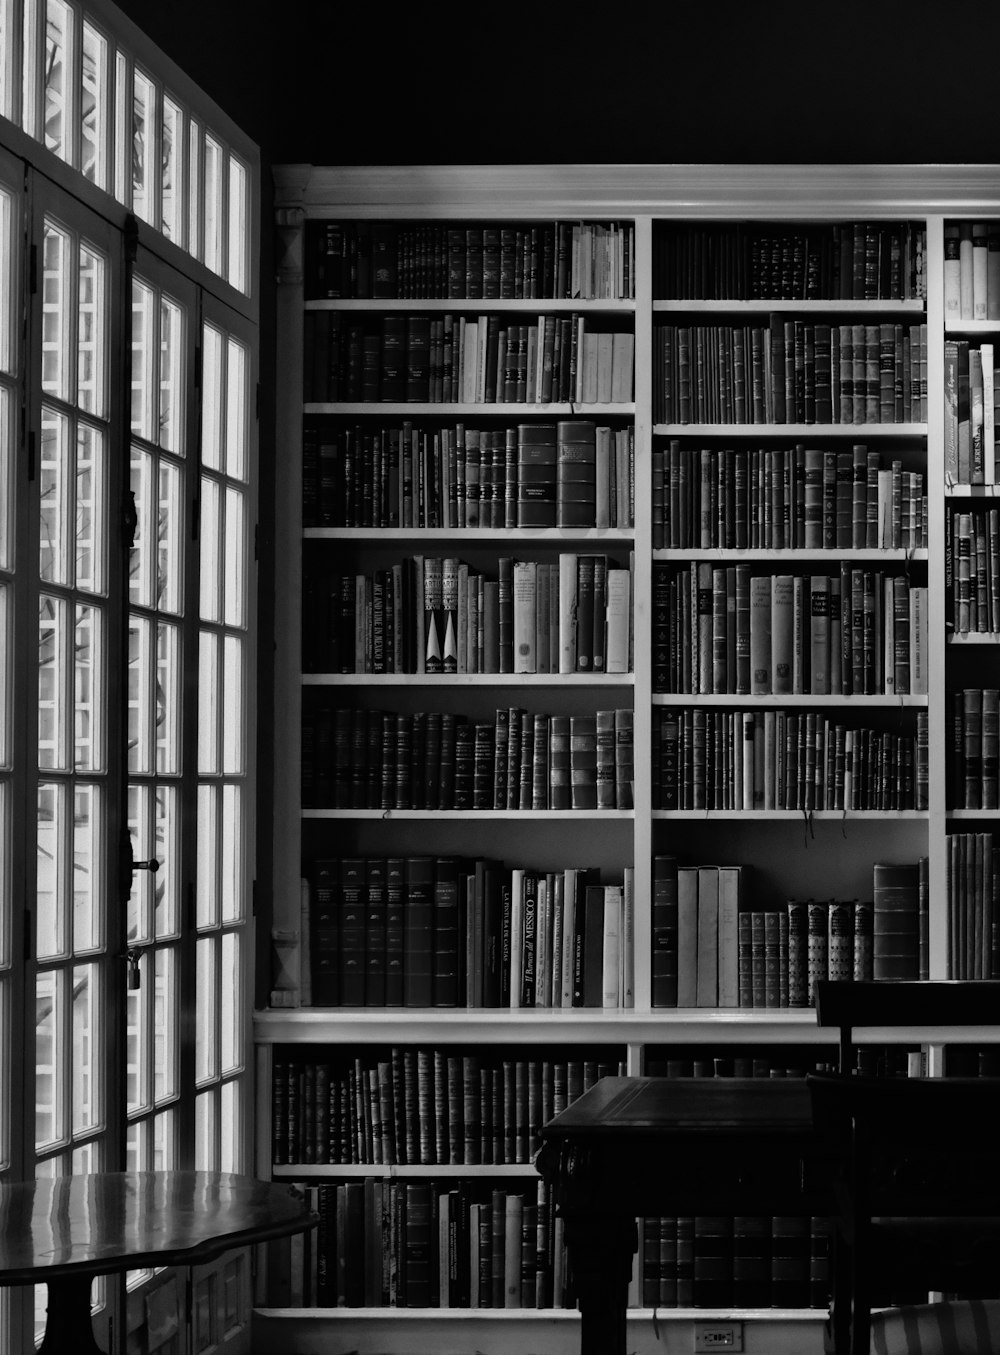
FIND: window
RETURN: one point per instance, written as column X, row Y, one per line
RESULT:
column 127, row 659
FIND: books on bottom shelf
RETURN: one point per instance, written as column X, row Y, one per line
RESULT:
column 450, row 931
column 472, row 1245
column 712, row 948
column 973, row 889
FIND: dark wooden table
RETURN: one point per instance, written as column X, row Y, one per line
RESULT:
column 636, row 1146
column 64, row 1230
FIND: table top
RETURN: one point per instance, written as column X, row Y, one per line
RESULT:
column 658, row 1105
column 115, row 1221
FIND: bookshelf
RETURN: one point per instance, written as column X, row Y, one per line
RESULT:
column 798, row 836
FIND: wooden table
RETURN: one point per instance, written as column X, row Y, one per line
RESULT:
column 639, row 1146
column 64, row 1230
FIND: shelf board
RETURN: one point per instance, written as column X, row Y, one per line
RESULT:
column 382, row 1171
column 474, row 535
column 561, row 410
column 539, row 305
column 767, row 815
column 971, row 815
column 915, row 306
column 597, row 680
column 563, row 1026
column 892, row 555
column 961, row 491
column 959, row 326
column 778, row 700
column 858, row 432
column 991, row 637
column 493, row 815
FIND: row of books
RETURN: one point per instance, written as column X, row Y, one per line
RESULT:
column 466, row 1244
column 786, row 1061
column 734, row 1261
column 972, row 571
column 789, row 372
column 381, row 260
column 455, row 476
column 418, row 1106
column 710, row 948
column 459, row 359
column 717, row 759
column 429, row 760
column 971, row 392
column 853, row 261
column 433, row 614
column 723, row 629
column 446, row 931
column 973, row 874
column 785, row 498
column 973, row 768
column 971, row 270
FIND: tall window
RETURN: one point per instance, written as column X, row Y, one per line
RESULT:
column 127, row 659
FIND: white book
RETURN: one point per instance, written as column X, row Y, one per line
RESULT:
column 516, row 933
column 619, row 589
column 568, row 937
column 628, row 938
column 729, row 906
column 568, row 565
column 525, row 583
column 708, row 937
column 470, row 361
column 531, row 381
column 610, row 993
column 623, row 362
column 543, row 942
column 589, row 357
column 604, row 367
column 989, row 415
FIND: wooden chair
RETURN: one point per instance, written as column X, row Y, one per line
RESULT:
column 915, row 1161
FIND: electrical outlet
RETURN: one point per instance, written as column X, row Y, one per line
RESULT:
column 720, row 1336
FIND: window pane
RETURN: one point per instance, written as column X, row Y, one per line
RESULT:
column 214, row 188
column 87, row 1050
column 31, row 89
column 138, row 1073
column 54, row 646
column 168, row 701
column 205, row 1115
column 166, row 1013
column 58, row 47
column 7, row 257
column 91, row 505
column 172, row 169
column 50, row 1057
column 143, row 361
column 165, row 1153
column 195, row 195
column 140, row 696
column 54, row 484
column 6, row 478
column 92, row 342
column 232, row 706
column 7, row 59
column 89, row 690
column 231, row 1146
column 238, row 214
column 211, row 386
column 123, row 152
column 234, row 588
column 172, row 337
column 143, row 122
column 236, row 411
column 208, row 704
column 233, row 877
column 167, row 535
column 207, row 1050
column 56, row 303
column 95, row 107
column 210, row 526
column 167, row 919
column 206, row 893
column 88, row 881
column 50, row 915
column 231, row 992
